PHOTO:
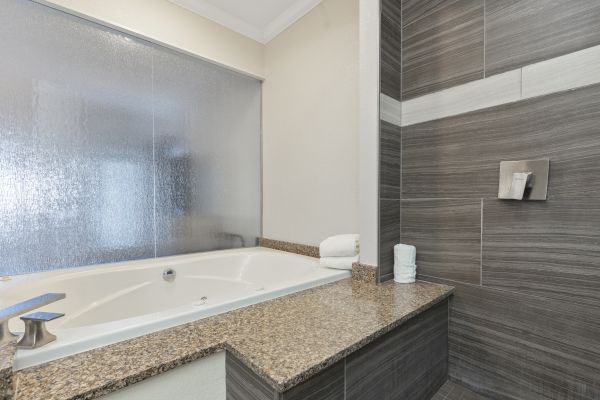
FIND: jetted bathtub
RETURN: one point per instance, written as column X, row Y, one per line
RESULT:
column 109, row 303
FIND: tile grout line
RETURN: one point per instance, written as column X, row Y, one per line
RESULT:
column 400, row 127
column 345, row 381
column 484, row 38
column 481, row 247
column 521, row 85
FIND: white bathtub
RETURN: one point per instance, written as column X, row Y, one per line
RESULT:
column 114, row 302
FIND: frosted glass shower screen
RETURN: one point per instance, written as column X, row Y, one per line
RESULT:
column 114, row 149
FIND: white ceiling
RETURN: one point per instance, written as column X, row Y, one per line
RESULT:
column 260, row 20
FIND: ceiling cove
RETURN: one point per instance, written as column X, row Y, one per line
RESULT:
column 260, row 20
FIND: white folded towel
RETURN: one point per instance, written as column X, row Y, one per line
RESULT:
column 338, row 262
column 405, row 269
column 405, row 274
column 340, row 246
column 405, row 254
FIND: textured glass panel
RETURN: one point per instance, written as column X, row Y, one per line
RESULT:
column 76, row 144
column 115, row 149
column 207, row 134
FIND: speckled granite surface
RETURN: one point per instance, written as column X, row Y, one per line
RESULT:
column 364, row 273
column 303, row 249
column 285, row 340
column 7, row 353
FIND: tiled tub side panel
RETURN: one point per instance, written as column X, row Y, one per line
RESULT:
column 409, row 362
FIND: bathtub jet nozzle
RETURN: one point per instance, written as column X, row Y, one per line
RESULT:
column 169, row 274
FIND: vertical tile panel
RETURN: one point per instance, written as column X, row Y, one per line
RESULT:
column 513, row 346
column 549, row 249
column 447, row 234
column 389, row 161
column 389, row 235
column 522, row 32
column 442, row 45
column 243, row 384
column 207, row 156
column 75, row 142
column 459, row 157
column 408, row 363
column 390, row 53
column 327, row 385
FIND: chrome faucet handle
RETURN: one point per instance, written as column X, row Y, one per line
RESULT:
column 36, row 335
column 21, row 308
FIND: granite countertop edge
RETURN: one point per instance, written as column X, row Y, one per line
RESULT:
column 105, row 388
column 282, row 386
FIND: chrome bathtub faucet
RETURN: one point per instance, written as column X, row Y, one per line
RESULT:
column 36, row 335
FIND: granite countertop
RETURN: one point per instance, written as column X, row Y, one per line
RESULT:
column 286, row 340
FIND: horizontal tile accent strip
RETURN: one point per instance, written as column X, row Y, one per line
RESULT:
column 574, row 70
column 559, row 74
column 484, row 93
column 390, row 110
column 302, row 249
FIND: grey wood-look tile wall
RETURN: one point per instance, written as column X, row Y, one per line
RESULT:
column 525, row 319
column 449, row 42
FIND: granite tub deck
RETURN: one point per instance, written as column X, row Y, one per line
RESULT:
column 7, row 355
column 285, row 341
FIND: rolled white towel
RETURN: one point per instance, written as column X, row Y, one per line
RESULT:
column 405, row 254
column 405, row 273
column 338, row 262
column 340, row 246
column 405, row 269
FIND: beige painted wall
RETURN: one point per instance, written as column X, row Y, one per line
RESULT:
column 174, row 26
column 310, row 126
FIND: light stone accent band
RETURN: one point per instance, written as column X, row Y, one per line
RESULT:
column 571, row 71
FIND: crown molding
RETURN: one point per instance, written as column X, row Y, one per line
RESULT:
column 296, row 11
column 260, row 34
